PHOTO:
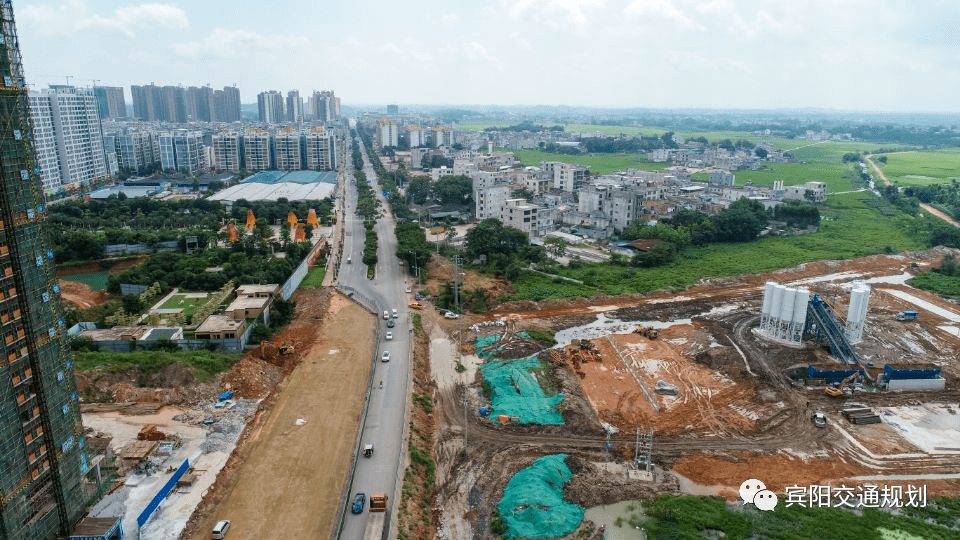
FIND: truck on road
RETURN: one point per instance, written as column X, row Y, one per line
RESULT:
column 376, row 520
column 907, row 315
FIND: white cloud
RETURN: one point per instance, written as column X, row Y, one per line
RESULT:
column 665, row 11
column 450, row 19
column 72, row 16
column 236, row 43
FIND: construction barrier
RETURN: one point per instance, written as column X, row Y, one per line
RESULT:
column 162, row 494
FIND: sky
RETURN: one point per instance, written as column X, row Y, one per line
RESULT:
column 872, row 55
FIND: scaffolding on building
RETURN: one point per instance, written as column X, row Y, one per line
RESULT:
column 41, row 444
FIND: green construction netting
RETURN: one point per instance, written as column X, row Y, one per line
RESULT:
column 514, row 391
column 484, row 348
column 533, row 505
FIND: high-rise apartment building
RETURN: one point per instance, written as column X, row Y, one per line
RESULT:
column 181, row 151
column 42, row 451
column 226, row 104
column 200, row 105
column 258, row 150
column 288, row 151
column 147, row 102
column 387, row 133
column 174, row 104
column 110, row 102
column 135, row 151
column 321, row 152
column 294, row 106
column 325, row 106
column 270, row 105
column 70, row 135
column 228, row 152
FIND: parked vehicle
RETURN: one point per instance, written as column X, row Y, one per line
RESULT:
column 358, row 501
column 386, row 314
column 220, row 529
column 819, row 419
column 907, row 315
column 415, row 305
column 394, row 313
column 390, row 323
column 451, row 315
column 385, row 357
column 389, row 336
column 368, row 450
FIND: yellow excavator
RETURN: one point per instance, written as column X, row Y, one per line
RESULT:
column 837, row 391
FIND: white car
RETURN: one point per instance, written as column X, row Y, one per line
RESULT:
column 389, row 336
column 407, row 290
column 385, row 357
column 451, row 315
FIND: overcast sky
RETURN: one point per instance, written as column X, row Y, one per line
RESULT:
column 880, row 55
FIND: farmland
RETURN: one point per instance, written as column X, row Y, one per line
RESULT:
column 922, row 168
column 851, row 228
column 598, row 163
column 799, row 173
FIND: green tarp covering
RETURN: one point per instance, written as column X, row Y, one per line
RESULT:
column 533, row 505
column 514, row 391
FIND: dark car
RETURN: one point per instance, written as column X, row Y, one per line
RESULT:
column 358, row 501
column 390, row 323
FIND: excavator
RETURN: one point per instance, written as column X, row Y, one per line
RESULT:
column 837, row 391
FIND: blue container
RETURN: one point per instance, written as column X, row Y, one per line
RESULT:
column 226, row 395
column 831, row 375
column 892, row 372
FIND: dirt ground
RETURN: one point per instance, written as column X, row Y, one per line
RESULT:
column 81, row 295
column 440, row 271
column 737, row 414
column 285, row 479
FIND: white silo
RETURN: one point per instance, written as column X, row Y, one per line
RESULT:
column 786, row 313
column 857, row 311
column 801, row 298
column 765, row 310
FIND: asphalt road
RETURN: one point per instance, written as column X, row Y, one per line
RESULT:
column 386, row 410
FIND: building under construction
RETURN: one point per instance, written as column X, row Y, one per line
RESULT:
column 42, row 455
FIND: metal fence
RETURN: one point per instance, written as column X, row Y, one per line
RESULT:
column 162, row 494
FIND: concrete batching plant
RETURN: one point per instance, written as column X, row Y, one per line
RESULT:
column 784, row 313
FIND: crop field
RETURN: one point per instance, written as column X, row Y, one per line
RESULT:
column 852, row 229
column 598, row 163
column 799, row 173
column 832, row 151
column 479, row 126
column 922, row 168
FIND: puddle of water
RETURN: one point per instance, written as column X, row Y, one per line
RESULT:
column 607, row 515
column 693, row 488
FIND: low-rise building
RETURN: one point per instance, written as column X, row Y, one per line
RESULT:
column 220, row 327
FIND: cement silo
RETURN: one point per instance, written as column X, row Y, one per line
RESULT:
column 783, row 314
column 857, row 312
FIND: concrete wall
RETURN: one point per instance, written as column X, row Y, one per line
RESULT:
column 929, row 385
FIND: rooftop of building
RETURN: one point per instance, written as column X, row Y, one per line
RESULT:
column 162, row 333
column 247, row 302
column 116, row 333
column 219, row 323
column 92, row 526
column 246, row 290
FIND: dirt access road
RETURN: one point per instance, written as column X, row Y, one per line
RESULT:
column 926, row 207
column 285, row 479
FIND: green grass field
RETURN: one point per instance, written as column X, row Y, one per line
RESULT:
column 799, row 173
column 938, row 167
column 314, row 278
column 96, row 280
column 479, row 126
column 204, row 364
column 598, row 163
column 188, row 305
column 854, row 229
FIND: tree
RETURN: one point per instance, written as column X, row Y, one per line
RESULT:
column 556, row 246
column 419, row 189
column 948, row 265
column 742, row 221
column 453, row 189
column 882, row 159
column 760, row 152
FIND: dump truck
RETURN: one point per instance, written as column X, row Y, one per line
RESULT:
column 907, row 315
column 415, row 305
column 376, row 521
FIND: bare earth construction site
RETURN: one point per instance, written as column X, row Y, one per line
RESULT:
column 688, row 382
